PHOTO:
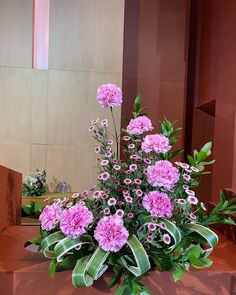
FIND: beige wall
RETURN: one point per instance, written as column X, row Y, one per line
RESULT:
column 45, row 114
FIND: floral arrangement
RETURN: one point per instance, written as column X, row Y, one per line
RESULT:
column 142, row 214
column 35, row 184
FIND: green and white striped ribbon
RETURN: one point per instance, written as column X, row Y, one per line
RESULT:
column 89, row 268
column 66, row 245
column 208, row 235
column 140, row 255
column 49, row 241
column 173, row 230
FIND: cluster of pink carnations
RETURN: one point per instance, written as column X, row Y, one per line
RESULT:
column 141, row 184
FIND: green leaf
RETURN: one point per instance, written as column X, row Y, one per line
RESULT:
column 37, row 207
column 27, row 209
column 207, row 148
column 201, row 156
column 121, row 290
column 177, row 272
column 137, row 103
column 36, row 241
column 194, row 251
column 49, row 241
column 117, row 274
column 140, row 255
column 52, row 268
column 200, row 262
column 191, row 161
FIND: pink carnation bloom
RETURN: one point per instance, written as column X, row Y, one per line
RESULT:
column 111, row 233
column 50, row 217
column 158, row 204
column 109, row 95
column 75, row 220
column 155, row 142
column 139, row 125
column 163, row 174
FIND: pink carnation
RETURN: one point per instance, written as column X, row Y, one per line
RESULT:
column 75, row 220
column 109, row 95
column 139, row 125
column 50, row 217
column 111, row 233
column 163, row 174
column 155, row 142
column 158, row 204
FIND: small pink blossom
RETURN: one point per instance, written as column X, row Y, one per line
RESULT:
column 139, row 192
column 108, row 154
column 95, row 121
column 127, row 181
column 192, row 200
column 120, row 213
column 75, row 220
column 152, row 226
column 131, row 146
column 135, row 157
column 194, row 169
column 110, row 142
column 184, row 165
column 126, row 138
column 111, row 233
column 163, row 174
column 91, row 128
column 190, row 192
column 117, row 167
column 158, row 204
column 50, row 217
column 186, row 177
column 97, row 149
column 139, row 125
column 147, row 161
column 185, row 186
column 109, row 95
column 162, row 225
column 180, row 201
column 137, row 181
column 111, row 202
column 128, row 199
column 97, row 194
column 203, row 206
column 155, row 143
column 106, row 211
column 104, row 176
column 130, row 215
column 193, row 216
column 133, row 167
column 150, row 239
column 104, row 162
column 166, row 239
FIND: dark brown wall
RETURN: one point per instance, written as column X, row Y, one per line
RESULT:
column 215, row 83
column 154, row 58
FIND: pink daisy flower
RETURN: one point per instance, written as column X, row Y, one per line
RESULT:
column 139, row 125
column 117, row 167
column 104, row 162
column 180, row 201
column 111, row 233
column 133, row 167
column 127, row 181
column 50, row 217
column 166, row 239
column 111, row 202
column 110, row 142
column 163, row 174
column 131, row 146
column 139, row 192
column 158, row 204
column 147, row 161
column 91, row 128
column 137, row 181
column 193, row 216
column 108, row 154
column 105, row 176
column 184, row 165
column 190, row 192
column 109, row 95
column 152, row 226
column 155, row 143
column 97, row 149
column 106, row 211
column 192, row 200
column 120, row 213
column 150, row 239
column 126, row 138
column 95, row 121
column 128, row 199
column 162, row 225
column 194, row 169
column 130, row 215
column 97, row 194
column 75, row 220
column 186, row 177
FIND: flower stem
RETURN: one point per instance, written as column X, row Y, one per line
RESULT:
column 116, row 134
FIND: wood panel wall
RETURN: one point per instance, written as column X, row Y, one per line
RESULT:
column 45, row 114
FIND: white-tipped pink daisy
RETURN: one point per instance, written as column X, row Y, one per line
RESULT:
column 185, row 186
column 139, row 192
column 203, row 206
column 108, row 154
column 120, row 213
column 194, row 169
column 147, row 161
column 130, row 215
column 192, row 200
column 186, row 177
column 104, row 162
column 128, row 199
column 117, row 167
column 162, row 225
column 193, row 216
column 111, row 202
column 184, row 165
column 152, row 226
column 95, row 121
column 137, row 181
column 190, row 192
column 180, row 201
column 126, row 138
column 105, row 176
column 166, row 239
column 97, row 149
column 149, row 239
column 104, row 122
column 106, row 211
column 127, row 181
column 110, row 142
column 97, row 194
column 133, row 167
column 91, row 128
